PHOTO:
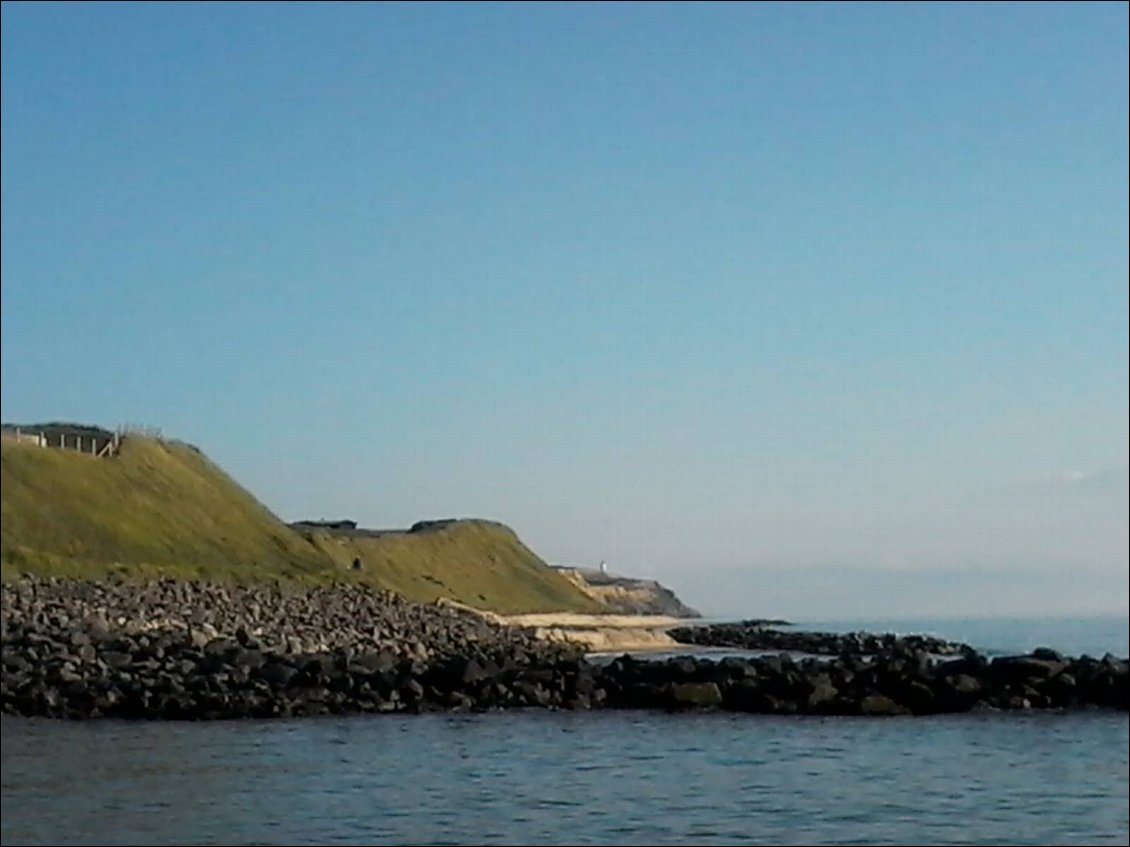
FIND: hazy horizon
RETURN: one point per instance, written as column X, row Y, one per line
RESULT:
column 805, row 310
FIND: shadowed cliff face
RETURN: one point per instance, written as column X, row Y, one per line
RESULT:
column 627, row 596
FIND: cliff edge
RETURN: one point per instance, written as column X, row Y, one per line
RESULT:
column 625, row 595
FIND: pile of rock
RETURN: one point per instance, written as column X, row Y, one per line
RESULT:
column 756, row 635
column 166, row 675
column 279, row 619
column 901, row 681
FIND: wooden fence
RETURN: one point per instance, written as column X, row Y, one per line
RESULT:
column 103, row 445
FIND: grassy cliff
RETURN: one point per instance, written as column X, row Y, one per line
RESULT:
column 161, row 508
column 156, row 508
column 481, row 563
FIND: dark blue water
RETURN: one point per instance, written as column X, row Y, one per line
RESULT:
column 563, row 778
column 546, row 778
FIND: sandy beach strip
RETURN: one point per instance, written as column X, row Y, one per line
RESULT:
column 602, row 633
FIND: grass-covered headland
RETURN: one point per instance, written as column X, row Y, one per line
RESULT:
column 187, row 598
column 160, row 508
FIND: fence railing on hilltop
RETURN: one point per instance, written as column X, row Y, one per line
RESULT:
column 101, row 445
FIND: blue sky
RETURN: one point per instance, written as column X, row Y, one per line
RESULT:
column 805, row 309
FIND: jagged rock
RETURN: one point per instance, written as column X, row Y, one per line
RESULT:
column 695, row 694
column 821, row 694
column 277, row 674
column 878, row 704
column 1019, row 668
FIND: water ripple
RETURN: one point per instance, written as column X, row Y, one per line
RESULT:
column 549, row 778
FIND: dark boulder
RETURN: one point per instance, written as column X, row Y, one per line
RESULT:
column 276, row 674
column 692, row 695
column 879, row 705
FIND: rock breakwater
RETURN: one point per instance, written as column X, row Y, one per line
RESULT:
column 759, row 635
column 184, row 651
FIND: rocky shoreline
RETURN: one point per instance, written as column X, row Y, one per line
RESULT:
column 178, row 650
column 760, row 635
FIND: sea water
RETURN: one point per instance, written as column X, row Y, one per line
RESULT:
column 536, row 777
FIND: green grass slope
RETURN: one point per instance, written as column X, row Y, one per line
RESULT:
column 480, row 563
column 156, row 509
column 161, row 508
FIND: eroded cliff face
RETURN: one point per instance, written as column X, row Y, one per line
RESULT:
column 627, row 596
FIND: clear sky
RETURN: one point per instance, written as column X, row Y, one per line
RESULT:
column 804, row 309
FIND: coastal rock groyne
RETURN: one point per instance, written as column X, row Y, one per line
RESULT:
column 68, row 651
column 759, row 635
column 287, row 620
